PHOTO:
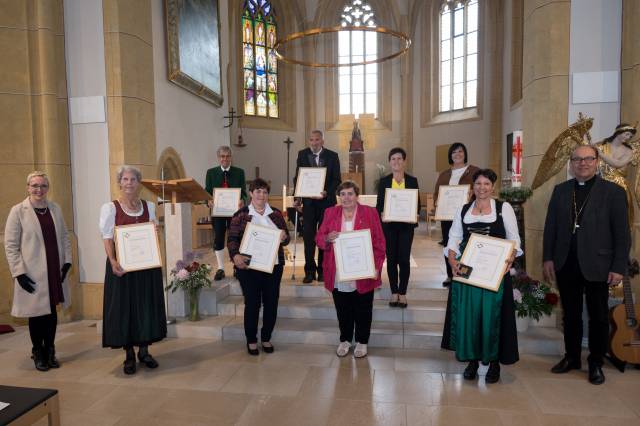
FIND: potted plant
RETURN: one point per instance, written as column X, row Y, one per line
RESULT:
column 191, row 277
column 532, row 298
column 516, row 194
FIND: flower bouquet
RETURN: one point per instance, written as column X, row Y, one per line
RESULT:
column 190, row 276
column 532, row 298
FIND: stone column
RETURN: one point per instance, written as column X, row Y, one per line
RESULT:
column 33, row 116
column 545, row 106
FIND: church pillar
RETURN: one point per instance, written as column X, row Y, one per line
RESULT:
column 33, row 116
column 128, row 46
column 545, row 105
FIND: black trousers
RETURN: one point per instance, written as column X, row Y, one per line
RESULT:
column 312, row 215
column 572, row 285
column 42, row 330
column 354, row 309
column 446, row 227
column 260, row 289
column 399, row 238
column 220, row 226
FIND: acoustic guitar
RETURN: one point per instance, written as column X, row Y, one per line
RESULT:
column 625, row 339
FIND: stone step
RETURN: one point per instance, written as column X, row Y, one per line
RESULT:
column 322, row 308
column 431, row 291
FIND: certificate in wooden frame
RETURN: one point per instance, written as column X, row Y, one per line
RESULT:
column 305, row 174
column 222, row 211
column 262, row 243
column 487, row 256
column 391, row 195
column 354, row 256
column 137, row 246
column 459, row 193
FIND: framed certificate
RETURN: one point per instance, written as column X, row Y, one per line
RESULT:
column 487, row 256
column 225, row 201
column 354, row 256
column 310, row 182
column 137, row 246
column 261, row 243
column 400, row 205
column 450, row 199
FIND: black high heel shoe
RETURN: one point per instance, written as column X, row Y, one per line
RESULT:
column 253, row 352
column 471, row 372
column 267, row 349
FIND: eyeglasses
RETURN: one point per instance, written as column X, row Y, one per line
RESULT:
column 43, row 187
column 578, row 160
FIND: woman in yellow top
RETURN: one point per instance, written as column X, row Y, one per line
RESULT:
column 398, row 235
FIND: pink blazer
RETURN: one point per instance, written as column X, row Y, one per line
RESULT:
column 366, row 217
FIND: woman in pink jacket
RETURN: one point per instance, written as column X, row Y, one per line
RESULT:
column 353, row 299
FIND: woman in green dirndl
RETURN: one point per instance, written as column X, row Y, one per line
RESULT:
column 481, row 324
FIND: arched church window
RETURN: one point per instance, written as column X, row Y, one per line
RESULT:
column 458, row 54
column 358, row 85
column 260, row 66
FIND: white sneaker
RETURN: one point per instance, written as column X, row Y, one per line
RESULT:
column 360, row 351
column 343, row 349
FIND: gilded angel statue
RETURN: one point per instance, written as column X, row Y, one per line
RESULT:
column 616, row 153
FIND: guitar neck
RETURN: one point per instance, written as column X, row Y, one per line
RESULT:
column 628, row 298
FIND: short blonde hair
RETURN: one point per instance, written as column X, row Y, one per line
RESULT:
column 125, row 168
column 37, row 173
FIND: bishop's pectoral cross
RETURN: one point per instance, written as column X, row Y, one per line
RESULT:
column 575, row 225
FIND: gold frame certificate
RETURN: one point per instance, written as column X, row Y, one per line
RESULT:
column 354, row 256
column 225, row 202
column 450, row 199
column 261, row 243
column 310, row 182
column 137, row 246
column 487, row 256
column 400, row 205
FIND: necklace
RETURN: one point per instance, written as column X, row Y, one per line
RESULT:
column 480, row 208
column 134, row 208
column 577, row 212
column 41, row 211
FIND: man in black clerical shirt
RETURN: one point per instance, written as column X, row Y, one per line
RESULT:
column 313, row 208
column 586, row 247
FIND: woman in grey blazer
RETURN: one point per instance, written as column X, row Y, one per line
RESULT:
column 39, row 255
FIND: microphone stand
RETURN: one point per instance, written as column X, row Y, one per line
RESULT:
column 164, row 260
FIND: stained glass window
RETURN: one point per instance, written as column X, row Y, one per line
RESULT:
column 458, row 54
column 358, row 85
column 259, row 62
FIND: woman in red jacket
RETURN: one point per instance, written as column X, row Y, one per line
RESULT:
column 353, row 299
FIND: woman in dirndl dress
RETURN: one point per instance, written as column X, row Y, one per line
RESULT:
column 133, row 309
column 481, row 324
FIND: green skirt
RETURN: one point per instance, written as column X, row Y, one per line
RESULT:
column 475, row 322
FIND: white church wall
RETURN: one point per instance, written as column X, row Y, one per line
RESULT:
column 192, row 126
column 84, row 49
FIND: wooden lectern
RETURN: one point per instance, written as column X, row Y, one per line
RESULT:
column 180, row 193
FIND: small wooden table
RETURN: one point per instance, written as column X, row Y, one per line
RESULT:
column 28, row 405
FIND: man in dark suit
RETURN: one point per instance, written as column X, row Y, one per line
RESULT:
column 586, row 246
column 223, row 176
column 313, row 208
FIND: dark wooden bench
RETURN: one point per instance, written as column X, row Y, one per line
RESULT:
column 28, row 405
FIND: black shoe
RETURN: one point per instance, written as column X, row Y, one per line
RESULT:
column 596, row 376
column 253, row 352
column 267, row 349
column 52, row 361
column 493, row 373
column 320, row 277
column 145, row 357
column 129, row 362
column 402, row 305
column 446, row 283
column 219, row 275
column 471, row 372
column 565, row 365
column 39, row 359
column 308, row 277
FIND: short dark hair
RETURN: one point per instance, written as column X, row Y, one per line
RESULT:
column 259, row 183
column 346, row 185
column 455, row 146
column 487, row 173
column 397, row 150
column 596, row 153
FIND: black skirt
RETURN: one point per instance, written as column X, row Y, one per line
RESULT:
column 133, row 309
